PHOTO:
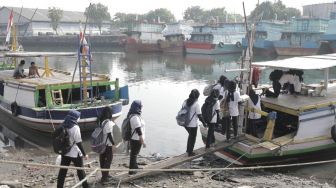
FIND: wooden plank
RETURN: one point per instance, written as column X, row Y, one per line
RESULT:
column 175, row 161
column 269, row 145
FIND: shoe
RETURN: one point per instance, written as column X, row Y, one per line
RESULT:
column 132, row 172
column 191, row 154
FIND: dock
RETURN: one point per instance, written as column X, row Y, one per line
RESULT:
column 174, row 161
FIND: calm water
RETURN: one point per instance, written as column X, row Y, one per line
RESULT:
column 162, row 82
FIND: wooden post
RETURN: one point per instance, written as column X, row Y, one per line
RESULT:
column 47, row 70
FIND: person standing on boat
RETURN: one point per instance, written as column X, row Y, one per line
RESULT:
column 233, row 97
column 138, row 134
column 18, row 71
column 76, row 152
column 105, row 159
column 222, row 85
column 195, row 112
column 255, row 103
column 212, row 99
column 33, row 70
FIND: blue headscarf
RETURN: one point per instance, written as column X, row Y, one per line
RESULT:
column 71, row 118
column 135, row 108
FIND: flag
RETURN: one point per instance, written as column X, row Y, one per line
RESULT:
column 9, row 26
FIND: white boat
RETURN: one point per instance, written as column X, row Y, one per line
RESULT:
column 304, row 128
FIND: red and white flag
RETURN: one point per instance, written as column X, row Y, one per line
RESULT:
column 9, row 26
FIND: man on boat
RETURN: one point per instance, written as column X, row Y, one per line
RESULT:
column 33, row 71
column 18, row 72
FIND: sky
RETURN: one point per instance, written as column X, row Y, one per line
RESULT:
column 177, row 7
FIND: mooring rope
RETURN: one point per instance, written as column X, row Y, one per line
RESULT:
column 170, row 170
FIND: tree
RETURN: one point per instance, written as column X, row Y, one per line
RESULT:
column 193, row 13
column 55, row 15
column 97, row 13
column 219, row 14
column 162, row 13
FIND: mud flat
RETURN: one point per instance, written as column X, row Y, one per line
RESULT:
column 14, row 175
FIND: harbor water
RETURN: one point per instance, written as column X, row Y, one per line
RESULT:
column 162, row 82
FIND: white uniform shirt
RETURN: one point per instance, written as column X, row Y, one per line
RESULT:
column 233, row 105
column 74, row 137
column 214, row 114
column 220, row 88
column 292, row 79
column 108, row 128
column 195, row 110
column 136, row 121
column 254, row 115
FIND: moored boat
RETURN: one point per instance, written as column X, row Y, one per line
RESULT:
column 301, row 37
column 41, row 103
column 175, row 34
column 295, row 127
column 212, row 40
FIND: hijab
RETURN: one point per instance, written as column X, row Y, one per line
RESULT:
column 231, row 88
column 71, row 119
column 253, row 96
column 193, row 96
column 135, row 108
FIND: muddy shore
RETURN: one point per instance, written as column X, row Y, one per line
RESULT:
column 13, row 175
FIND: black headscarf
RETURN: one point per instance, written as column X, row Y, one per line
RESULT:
column 193, row 96
column 135, row 108
column 222, row 80
column 253, row 96
column 231, row 88
column 213, row 97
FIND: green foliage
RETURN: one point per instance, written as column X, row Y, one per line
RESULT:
column 164, row 14
column 270, row 11
column 97, row 13
column 55, row 15
column 193, row 13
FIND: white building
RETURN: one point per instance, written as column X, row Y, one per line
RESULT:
column 321, row 10
column 30, row 24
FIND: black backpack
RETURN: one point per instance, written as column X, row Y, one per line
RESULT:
column 207, row 110
column 61, row 141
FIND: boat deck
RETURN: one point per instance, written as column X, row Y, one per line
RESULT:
column 296, row 104
column 58, row 77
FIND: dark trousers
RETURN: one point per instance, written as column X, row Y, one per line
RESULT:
column 235, row 127
column 211, row 134
column 252, row 127
column 78, row 162
column 135, row 150
column 192, row 131
column 105, row 160
column 225, row 123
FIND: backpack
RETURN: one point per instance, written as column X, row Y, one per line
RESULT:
column 126, row 129
column 206, row 110
column 61, row 141
column 182, row 117
column 207, row 90
column 98, row 144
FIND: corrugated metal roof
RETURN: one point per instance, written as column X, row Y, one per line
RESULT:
column 42, row 14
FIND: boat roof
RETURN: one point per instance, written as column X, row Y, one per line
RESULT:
column 39, row 54
column 295, row 105
column 301, row 63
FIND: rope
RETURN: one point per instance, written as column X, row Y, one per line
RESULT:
column 86, row 177
column 171, row 170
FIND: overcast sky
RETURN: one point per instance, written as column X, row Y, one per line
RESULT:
column 143, row 6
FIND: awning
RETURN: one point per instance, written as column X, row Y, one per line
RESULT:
column 302, row 63
column 39, row 54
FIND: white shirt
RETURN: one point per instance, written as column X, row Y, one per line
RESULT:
column 74, row 137
column 292, row 79
column 195, row 110
column 254, row 115
column 108, row 128
column 220, row 88
column 233, row 105
column 214, row 114
column 136, row 121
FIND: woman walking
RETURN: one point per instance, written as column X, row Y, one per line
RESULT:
column 194, row 113
column 105, row 159
column 233, row 98
column 213, row 101
column 76, row 152
column 138, row 133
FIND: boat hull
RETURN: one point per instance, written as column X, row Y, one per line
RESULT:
column 172, row 47
column 211, row 49
column 47, row 120
column 296, row 51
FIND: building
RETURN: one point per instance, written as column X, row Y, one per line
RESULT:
column 31, row 23
column 322, row 10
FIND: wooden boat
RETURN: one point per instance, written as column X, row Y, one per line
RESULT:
column 213, row 40
column 41, row 103
column 302, row 127
column 302, row 37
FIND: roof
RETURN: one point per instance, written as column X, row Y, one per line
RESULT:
column 301, row 63
column 42, row 14
column 38, row 54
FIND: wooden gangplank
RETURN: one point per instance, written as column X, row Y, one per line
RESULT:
column 174, row 161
